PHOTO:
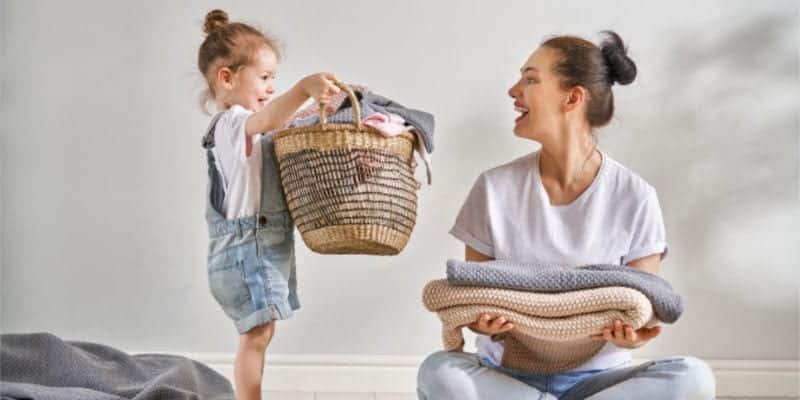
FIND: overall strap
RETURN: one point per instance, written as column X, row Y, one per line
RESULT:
column 216, row 182
column 208, row 138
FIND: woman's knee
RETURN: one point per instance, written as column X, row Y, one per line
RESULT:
column 434, row 366
column 442, row 376
column 698, row 380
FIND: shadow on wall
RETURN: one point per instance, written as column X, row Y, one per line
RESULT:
column 725, row 154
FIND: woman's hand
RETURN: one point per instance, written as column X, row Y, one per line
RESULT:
column 625, row 336
column 320, row 87
column 488, row 325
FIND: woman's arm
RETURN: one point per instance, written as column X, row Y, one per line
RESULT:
column 486, row 324
column 651, row 263
column 471, row 254
column 623, row 335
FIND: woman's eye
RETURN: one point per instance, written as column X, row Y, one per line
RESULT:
column 530, row 81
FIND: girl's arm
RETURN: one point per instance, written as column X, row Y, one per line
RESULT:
column 277, row 112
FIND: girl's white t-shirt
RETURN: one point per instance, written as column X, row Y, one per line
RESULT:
column 508, row 216
column 241, row 174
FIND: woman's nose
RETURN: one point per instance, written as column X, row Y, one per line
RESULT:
column 512, row 91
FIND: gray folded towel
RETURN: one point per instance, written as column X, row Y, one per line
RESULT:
column 667, row 304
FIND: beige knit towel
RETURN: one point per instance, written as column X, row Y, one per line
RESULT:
column 551, row 330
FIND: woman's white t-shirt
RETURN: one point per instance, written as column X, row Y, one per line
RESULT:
column 508, row 216
column 241, row 174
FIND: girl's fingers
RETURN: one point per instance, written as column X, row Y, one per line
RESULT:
column 332, row 89
column 607, row 334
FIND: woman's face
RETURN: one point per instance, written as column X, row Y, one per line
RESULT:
column 538, row 96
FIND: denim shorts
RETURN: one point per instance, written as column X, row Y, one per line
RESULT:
column 251, row 269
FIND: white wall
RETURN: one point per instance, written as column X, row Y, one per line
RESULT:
column 3, row 147
column 103, row 237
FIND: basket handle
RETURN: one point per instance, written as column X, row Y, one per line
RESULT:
column 353, row 101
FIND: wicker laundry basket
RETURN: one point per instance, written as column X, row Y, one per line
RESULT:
column 349, row 188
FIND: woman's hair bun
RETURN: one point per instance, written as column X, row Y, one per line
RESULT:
column 215, row 19
column 621, row 68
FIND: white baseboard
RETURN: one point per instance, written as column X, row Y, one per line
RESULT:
column 397, row 374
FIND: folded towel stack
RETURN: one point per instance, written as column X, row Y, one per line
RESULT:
column 554, row 309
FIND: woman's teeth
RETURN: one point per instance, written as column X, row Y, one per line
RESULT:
column 523, row 112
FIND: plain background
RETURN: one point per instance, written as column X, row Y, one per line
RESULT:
column 103, row 176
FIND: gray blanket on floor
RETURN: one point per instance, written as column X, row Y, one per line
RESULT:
column 41, row 366
column 667, row 304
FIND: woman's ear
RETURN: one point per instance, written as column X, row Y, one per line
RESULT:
column 575, row 98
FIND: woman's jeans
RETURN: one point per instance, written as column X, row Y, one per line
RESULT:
column 462, row 376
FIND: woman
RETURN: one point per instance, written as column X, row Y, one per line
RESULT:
column 566, row 204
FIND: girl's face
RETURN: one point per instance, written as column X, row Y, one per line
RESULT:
column 538, row 96
column 253, row 85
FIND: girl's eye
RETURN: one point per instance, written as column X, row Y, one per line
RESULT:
column 530, row 81
column 265, row 77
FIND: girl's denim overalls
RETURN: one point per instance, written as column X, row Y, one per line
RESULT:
column 251, row 260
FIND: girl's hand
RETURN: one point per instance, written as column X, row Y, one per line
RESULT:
column 487, row 325
column 320, row 87
column 279, row 111
column 414, row 171
column 627, row 337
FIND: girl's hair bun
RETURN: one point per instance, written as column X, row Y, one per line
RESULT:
column 215, row 19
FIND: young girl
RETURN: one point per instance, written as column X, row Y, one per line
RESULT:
column 251, row 261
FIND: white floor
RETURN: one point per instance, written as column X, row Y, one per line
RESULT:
column 337, row 396
column 403, row 396
column 368, row 377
